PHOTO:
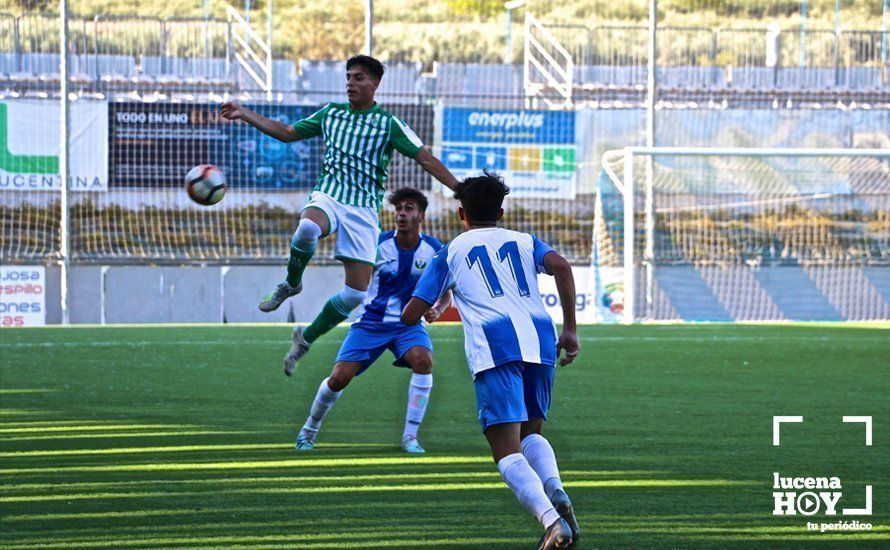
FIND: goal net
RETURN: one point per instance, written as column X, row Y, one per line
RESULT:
column 709, row 234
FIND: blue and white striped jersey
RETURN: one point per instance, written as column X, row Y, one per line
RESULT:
column 395, row 276
column 493, row 272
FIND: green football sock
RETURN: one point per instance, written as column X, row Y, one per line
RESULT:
column 332, row 314
column 296, row 264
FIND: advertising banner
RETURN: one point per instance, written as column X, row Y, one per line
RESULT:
column 22, row 296
column 30, row 138
column 155, row 145
column 534, row 150
column 402, row 170
column 599, row 295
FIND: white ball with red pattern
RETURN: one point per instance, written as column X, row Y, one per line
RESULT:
column 205, row 184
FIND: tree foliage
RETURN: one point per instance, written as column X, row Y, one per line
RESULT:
column 482, row 9
column 35, row 5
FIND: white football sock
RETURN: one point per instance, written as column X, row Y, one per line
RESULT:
column 324, row 400
column 540, row 456
column 527, row 487
column 418, row 397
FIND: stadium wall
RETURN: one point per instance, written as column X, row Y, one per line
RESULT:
column 151, row 294
column 145, row 294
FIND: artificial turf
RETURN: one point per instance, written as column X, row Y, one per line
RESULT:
column 181, row 436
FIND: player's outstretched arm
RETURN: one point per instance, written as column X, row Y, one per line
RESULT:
column 435, row 168
column 440, row 307
column 565, row 286
column 414, row 311
column 232, row 110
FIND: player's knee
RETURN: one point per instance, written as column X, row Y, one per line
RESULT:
column 421, row 362
column 339, row 379
column 531, row 427
column 307, row 233
column 351, row 297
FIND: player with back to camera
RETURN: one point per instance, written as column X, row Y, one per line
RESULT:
column 403, row 255
column 511, row 344
column 359, row 138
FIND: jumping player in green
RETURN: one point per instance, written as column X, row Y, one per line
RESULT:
column 359, row 138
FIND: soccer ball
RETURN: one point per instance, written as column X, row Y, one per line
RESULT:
column 205, row 184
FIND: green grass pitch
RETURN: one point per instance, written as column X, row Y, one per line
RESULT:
column 181, row 436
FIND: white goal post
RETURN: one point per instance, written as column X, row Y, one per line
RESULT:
column 739, row 211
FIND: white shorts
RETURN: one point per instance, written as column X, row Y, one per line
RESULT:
column 357, row 228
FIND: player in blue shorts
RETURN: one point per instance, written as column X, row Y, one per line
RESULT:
column 511, row 344
column 402, row 255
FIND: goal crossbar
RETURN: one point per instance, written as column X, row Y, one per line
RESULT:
column 750, row 152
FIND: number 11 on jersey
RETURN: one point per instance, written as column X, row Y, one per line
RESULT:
column 509, row 251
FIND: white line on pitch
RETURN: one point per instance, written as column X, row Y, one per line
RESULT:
column 593, row 339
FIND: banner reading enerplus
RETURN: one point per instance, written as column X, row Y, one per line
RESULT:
column 534, row 150
column 30, row 145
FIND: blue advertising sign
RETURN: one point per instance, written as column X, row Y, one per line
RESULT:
column 534, row 150
column 157, row 144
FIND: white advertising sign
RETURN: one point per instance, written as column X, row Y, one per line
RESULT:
column 22, row 296
column 599, row 295
column 30, row 145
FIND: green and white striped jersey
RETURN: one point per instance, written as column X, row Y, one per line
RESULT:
column 358, row 148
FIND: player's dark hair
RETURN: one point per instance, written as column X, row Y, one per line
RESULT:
column 370, row 64
column 409, row 194
column 482, row 196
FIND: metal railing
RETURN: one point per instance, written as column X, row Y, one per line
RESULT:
column 548, row 65
column 257, row 64
column 811, row 58
column 829, row 55
column 103, row 35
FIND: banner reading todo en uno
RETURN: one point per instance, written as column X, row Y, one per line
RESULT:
column 156, row 144
column 30, row 145
column 22, row 295
column 534, row 150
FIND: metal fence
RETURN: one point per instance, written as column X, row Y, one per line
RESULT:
column 109, row 51
column 822, row 51
column 182, row 68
